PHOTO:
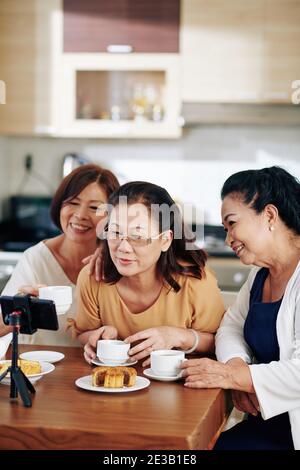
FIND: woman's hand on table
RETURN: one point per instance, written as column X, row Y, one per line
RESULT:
column 105, row 332
column 208, row 373
column 161, row 337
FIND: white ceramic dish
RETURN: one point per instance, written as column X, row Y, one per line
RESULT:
column 4, row 344
column 86, row 383
column 149, row 373
column 46, row 369
column 127, row 363
column 43, row 356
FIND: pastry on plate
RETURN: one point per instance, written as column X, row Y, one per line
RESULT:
column 114, row 377
column 28, row 367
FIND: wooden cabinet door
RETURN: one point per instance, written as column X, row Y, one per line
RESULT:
column 221, row 43
column 144, row 25
column 282, row 49
column 29, row 57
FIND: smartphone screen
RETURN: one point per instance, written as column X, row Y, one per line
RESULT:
column 36, row 313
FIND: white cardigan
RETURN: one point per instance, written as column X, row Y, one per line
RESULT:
column 277, row 384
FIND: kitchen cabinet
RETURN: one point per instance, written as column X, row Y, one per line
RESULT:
column 221, row 45
column 282, row 49
column 135, row 95
column 150, row 26
column 52, row 91
column 238, row 51
column 29, row 66
column 230, row 272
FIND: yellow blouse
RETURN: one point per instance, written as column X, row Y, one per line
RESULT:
column 197, row 305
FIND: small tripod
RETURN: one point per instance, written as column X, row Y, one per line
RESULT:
column 18, row 380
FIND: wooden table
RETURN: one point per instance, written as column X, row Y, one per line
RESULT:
column 165, row 415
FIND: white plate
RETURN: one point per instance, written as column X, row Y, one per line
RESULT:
column 164, row 378
column 86, row 383
column 46, row 369
column 127, row 363
column 43, row 356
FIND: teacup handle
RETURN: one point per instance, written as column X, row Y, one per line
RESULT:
column 180, row 373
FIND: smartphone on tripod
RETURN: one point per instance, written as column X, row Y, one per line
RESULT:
column 38, row 313
column 25, row 314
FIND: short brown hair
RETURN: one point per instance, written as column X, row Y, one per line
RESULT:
column 76, row 181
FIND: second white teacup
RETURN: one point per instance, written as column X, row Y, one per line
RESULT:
column 166, row 362
column 61, row 296
column 112, row 350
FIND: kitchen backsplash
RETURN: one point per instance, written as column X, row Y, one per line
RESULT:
column 192, row 168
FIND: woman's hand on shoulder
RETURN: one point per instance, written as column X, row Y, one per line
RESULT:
column 161, row 337
column 104, row 332
column 94, row 262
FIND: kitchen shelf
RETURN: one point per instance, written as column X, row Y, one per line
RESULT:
column 120, row 95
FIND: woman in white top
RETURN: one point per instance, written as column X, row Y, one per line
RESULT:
column 258, row 342
column 58, row 261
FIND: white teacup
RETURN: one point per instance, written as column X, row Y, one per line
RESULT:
column 166, row 362
column 61, row 296
column 112, row 350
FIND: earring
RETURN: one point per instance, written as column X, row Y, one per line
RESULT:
column 271, row 228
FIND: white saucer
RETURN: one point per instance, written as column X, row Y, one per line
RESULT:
column 127, row 363
column 46, row 368
column 44, row 356
column 86, row 383
column 164, row 378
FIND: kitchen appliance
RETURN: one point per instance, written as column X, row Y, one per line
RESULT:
column 29, row 222
column 8, row 261
column 230, row 273
column 72, row 161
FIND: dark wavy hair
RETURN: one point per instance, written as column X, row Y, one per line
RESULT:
column 177, row 259
column 272, row 185
column 76, row 181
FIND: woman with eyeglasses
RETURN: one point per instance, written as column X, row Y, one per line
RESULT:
column 155, row 291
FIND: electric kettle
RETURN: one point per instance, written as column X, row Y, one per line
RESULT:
column 72, row 161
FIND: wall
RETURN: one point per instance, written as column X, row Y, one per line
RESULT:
column 192, row 168
column 4, row 175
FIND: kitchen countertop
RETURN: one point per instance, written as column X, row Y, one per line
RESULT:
column 10, row 256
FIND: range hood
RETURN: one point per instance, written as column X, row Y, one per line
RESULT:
column 220, row 113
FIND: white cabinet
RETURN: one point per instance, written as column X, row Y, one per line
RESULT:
column 239, row 51
column 109, row 95
column 117, row 95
